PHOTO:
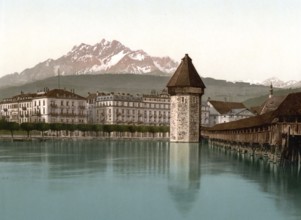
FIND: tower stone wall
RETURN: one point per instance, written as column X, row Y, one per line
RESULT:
column 185, row 116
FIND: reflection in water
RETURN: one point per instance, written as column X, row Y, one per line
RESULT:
column 184, row 174
column 283, row 184
column 138, row 158
column 66, row 159
column 170, row 174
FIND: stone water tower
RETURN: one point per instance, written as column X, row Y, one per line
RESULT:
column 186, row 89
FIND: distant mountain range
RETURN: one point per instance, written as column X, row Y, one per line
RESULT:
column 98, row 67
column 136, row 84
column 277, row 83
column 103, row 57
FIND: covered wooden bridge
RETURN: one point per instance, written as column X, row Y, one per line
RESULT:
column 276, row 134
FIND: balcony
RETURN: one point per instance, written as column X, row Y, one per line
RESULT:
column 53, row 106
column 68, row 115
column 38, row 114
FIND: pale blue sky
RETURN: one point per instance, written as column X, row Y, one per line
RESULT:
column 227, row 39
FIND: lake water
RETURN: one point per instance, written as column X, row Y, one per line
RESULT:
column 132, row 180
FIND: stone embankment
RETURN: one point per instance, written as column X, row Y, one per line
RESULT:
column 86, row 136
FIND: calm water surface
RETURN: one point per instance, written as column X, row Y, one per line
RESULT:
column 141, row 180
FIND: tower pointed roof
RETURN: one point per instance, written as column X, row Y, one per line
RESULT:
column 271, row 91
column 186, row 75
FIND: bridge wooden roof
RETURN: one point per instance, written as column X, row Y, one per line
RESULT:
column 290, row 107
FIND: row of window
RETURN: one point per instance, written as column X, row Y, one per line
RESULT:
column 39, row 103
column 132, row 104
column 132, row 111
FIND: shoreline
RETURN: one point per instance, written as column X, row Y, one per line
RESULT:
column 21, row 138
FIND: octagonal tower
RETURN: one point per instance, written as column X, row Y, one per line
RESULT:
column 186, row 89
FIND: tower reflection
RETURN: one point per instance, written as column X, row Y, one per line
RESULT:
column 184, row 174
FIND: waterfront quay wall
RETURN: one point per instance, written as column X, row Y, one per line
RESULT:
column 277, row 142
column 60, row 135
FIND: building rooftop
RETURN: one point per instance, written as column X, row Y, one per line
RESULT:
column 271, row 104
column 290, row 109
column 186, row 75
column 225, row 107
column 23, row 97
column 54, row 93
column 60, row 93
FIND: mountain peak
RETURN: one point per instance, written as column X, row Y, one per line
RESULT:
column 105, row 42
column 103, row 57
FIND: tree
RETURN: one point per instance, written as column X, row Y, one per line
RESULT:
column 56, row 127
column 152, row 129
column 42, row 126
column 83, row 128
column 70, row 127
column 12, row 126
column 3, row 124
column 132, row 129
column 96, row 128
column 163, row 129
column 28, row 127
column 120, row 129
column 142, row 129
column 108, row 129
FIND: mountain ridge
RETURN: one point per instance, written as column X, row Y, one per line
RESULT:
column 277, row 83
column 100, row 58
column 132, row 83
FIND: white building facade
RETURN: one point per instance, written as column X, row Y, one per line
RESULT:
column 49, row 106
column 126, row 109
column 17, row 108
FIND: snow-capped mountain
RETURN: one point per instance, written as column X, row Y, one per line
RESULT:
column 277, row 83
column 103, row 57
